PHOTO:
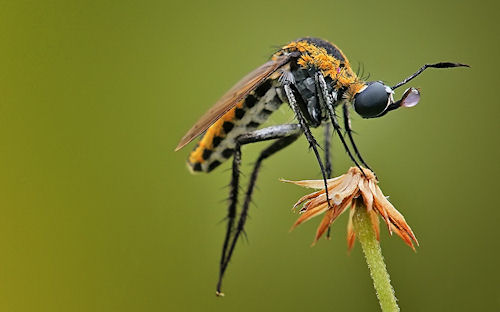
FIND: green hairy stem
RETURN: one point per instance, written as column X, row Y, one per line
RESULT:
column 373, row 255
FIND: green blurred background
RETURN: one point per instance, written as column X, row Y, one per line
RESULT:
column 99, row 214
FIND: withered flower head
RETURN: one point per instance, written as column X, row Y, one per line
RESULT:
column 344, row 191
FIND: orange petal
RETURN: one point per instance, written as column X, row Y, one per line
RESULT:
column 366, row 193
column 331, row 194
column 350, row 241
column 335, row 181
column 325, row 223
column 394, row 215
column 381, row 210
column 375, row 225
column 351, row 236
column 379, row 204
column 404, row 228
column 347, row 201
column 346, row 189
column 331, row 215
column 351, row 187
column 315, row 184
column 404, row 236
column 338, row 193
column 307, row 197
column 310, row 214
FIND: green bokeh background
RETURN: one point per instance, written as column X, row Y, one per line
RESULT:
column 99, row 214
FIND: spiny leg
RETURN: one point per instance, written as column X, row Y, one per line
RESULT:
column 273, row 148
column 233, row 202
column 327, row 148
column 348, row 129
column 333, row 117
column 282, row 132
column 328, row 161
column 307, row 132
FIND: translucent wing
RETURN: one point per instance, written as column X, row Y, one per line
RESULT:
column 232, row 97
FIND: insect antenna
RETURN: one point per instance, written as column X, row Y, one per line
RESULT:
column 358, row 69
column 435, row 65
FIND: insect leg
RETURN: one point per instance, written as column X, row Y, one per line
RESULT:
column 233, row 201
column 286, row 134
column 327, row 147
column 328, row 160
column 333, row 117
column 307, row 132
column 348, row 129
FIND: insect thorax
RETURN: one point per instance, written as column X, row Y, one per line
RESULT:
column 320, row 56
column 309, row 97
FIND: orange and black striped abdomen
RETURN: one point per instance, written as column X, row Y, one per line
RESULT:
column 218, row 142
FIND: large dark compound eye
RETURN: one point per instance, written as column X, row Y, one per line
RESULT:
column 373, row 100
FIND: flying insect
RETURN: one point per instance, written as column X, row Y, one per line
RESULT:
column 315, row 79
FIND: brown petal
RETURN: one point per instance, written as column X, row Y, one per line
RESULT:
column 404, row 236
column 340, row 209
column 332, row 215
column 349, row 189
column 351, row 235
column 394, row 215
column 338, row 193
column 331, row 193
column 325, row 223
column 307, row 197
column 315, row 184
column 375, row 225
column 310, row 214
column 366, row 193
column 404, row 228
column 379, row 203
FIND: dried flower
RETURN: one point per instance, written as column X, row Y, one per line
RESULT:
column 343, row 191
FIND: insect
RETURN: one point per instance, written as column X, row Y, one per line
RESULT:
column 315, row 79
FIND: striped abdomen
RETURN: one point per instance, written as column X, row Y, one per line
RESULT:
column 218, row 142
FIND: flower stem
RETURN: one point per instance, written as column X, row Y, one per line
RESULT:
column 373, row 255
